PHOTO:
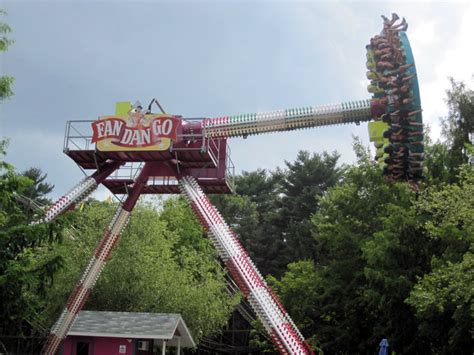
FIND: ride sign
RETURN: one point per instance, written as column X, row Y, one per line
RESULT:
column 137, row 132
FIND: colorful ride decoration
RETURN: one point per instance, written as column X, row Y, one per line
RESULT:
column 135, row 152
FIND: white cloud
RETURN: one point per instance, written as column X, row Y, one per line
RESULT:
column 424, row 34
column 439, row 59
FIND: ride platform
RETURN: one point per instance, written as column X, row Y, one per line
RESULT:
column 206, row 159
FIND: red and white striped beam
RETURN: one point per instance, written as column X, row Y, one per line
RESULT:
column 265, row 303
column 79, row 192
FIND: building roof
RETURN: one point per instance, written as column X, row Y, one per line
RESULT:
column 138, row 325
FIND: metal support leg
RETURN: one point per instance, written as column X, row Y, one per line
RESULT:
column 79, row 192
column 93, row 270
column 264, row 302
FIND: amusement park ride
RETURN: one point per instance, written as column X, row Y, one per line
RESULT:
column 135, row 152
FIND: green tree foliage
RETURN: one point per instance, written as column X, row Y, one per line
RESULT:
column 388, row 264
column 369, row 254
column 437, row 164
column 301, row 275
column 252, row 213
column 271, row 211
column 305, row 181
column 39, row 189
column 443, row 298
column 24, row 277
column 162, row 264
column 5, row 81
column 458, row 125
column 34, row 196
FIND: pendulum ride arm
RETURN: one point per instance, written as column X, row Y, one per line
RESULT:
column 266, row 305
column 79, row 192
column 93, row 270
column 291, row 119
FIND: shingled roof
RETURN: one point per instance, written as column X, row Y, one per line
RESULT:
column 136, row 325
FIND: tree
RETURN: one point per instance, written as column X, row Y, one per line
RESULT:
column 253, row 213
column 272, row 214
column 437, row 164
column 299, row 287
column 23, row 277
column 161, row 264
column 369, row 251
column 5, row 42
column 304, row 182
column 357, row 245
column 388, row 264
column 459, row 125
column 34, row 195
column 39, row 189
column 443, row 297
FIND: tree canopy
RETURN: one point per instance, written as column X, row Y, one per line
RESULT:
column 24, row 276
column 271, row 211
column 458, row 126
column 162, row 264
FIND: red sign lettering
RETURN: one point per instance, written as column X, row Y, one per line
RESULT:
column 148, row 133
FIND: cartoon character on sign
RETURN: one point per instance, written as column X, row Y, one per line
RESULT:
column 134, row 129
column 136, row 119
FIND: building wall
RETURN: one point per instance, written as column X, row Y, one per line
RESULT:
column 111, row 346
column 100, row 345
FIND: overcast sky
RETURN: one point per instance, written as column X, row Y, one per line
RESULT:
column 74, row 59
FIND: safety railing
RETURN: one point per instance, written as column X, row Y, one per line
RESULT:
column 128, row 171
column 78, row 136
column 229, row 170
